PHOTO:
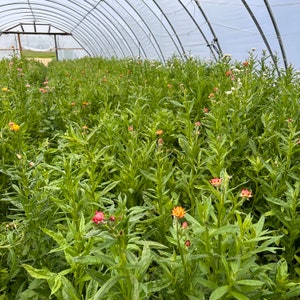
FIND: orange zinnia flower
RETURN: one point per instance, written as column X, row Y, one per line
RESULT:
column 228, row 73
column 159, row 132
column 178, row 212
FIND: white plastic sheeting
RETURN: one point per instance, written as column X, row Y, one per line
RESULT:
column 160, row 29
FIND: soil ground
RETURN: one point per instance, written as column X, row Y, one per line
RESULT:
column 45, row 61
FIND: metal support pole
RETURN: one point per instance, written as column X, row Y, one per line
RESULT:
column 20, row 45
column 55, row 45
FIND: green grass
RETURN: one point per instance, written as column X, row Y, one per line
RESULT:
column 134, row 140
column 38, row 54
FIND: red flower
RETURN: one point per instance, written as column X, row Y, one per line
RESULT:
column 187, row 243
column 98, row 217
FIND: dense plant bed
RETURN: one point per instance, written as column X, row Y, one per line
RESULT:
column 130, row 179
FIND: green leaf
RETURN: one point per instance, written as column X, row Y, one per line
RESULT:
column 219, row 292
column 58, row 237
column 109, row 187
column 207, row 283
column 68, row 290
column 249, row 282
column 239, row 296
column 143, row 264
column 38, row 273
column 224, row 229
column 55, row 283
column 92, row 288
column 107, row 286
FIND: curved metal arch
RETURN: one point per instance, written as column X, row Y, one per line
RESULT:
column 92, row 33
column 30, row 8
column 215, row 40
column 90, row 12
column 261, row 32
column 198, row 27
column 56, row 20
column 171, row 26
column 171, row 37
column 74, row 16
column 277, row 33
column 78, row 37
column 130, row 30
column 157, row 47
column 81, row 21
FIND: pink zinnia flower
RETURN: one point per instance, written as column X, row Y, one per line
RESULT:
column 246, row 194
column 98, row 217
column 185, row 225
column 160, row 142
column 216, row 182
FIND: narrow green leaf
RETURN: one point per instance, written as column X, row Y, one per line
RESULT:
column 55, row 283
column 109, row 187
column 38, row 273
column 219, row 292
column 239, row 296
column 249, row 282
column 68, row 290
column 107, row 286
column 58, row 237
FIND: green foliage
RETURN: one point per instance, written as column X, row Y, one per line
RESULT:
column 134, row 139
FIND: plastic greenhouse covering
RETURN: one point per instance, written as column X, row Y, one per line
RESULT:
column 153, row 29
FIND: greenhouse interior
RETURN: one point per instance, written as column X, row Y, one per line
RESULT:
column 149, row 149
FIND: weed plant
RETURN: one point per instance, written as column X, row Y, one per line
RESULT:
column 132, row 179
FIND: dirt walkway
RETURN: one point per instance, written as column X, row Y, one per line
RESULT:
column 44, row 61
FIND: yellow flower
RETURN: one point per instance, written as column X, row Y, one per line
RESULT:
column 5, row 89
column 178, row 212
column 13, row 126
